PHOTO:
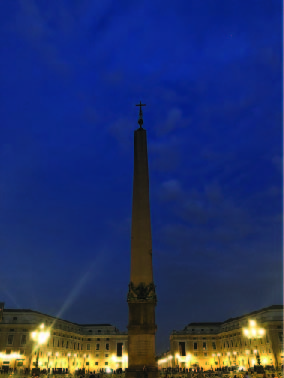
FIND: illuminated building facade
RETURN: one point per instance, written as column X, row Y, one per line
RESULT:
column 240, row 342
column 70, row 345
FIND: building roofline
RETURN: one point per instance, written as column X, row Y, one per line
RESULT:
column 272, row 307
column 101, row 324
column 54, row 317
column 205, row 324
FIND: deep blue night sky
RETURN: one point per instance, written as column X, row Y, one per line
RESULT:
column 210, row 72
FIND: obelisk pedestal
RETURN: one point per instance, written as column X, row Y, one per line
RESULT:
column 141, row 295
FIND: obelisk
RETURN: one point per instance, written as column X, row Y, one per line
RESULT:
column 141, row 295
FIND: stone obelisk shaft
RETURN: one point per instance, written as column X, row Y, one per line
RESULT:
column 141, row 296
column 141, row 239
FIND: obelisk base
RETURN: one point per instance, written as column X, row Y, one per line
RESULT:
column 142, row 372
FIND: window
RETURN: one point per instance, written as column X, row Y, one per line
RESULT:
column 15, row 318
column 90, row 330
column 96, row 363
column 66, row 344
column 106, row 355
column 205, row 354
column 280, row 335
column 12, row 330
column 97, row 346
column 107, row 346
column 214, row 345
column 193, row 329
column 195, row 354
column 106, row 363
column 98, row 339
column 10, row 339
column 119, row 349
column 99, row 331
column 88, row 347
column 23, row 339
column 232, row 344
column 89, row 339
column 107, row 339
column 202, row 329
column 182, row 348
column 194, row 346
column 97, row 355
column 204, row 346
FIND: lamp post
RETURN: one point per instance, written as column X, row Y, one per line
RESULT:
column 68, row 355
column 218, row 355
column 247, row 353
column 235, row 356
column 214, row 355
column 253, row 331
column 84, row 361
column 48, row 356
column 40, row 336
column 188, row 360
column 56, row 355
column 177, row 360
column 75, row 355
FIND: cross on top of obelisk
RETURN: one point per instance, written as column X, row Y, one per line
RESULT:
column 140, row 120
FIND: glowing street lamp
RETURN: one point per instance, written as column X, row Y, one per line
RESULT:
column 177, row 358
column 253, row 331
column 40, row 336
column 84, row 361
column 218, row 355
column 229, row 358
column 48, row 356
column 56, row 355
column 188, row 360
column 235, row 356
column 214, row 355
column 68, row 355
column 256, row 332
column 247, row 353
